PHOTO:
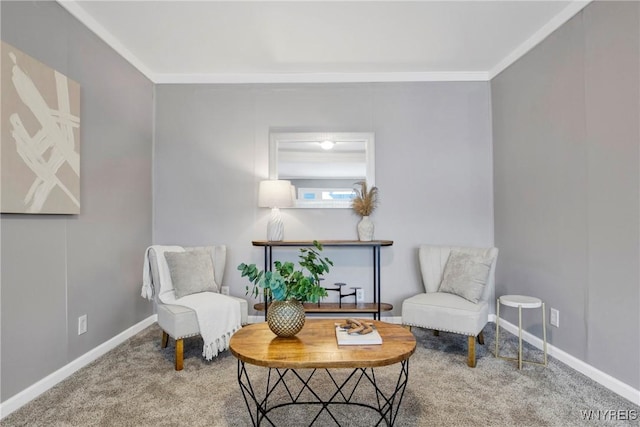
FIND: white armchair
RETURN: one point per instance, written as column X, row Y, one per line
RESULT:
column 457, row 292
column 177, row 315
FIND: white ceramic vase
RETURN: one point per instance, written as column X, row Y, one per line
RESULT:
column 365, row 229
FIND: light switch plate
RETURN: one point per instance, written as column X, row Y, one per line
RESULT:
column 82, row 324
column 555, row 318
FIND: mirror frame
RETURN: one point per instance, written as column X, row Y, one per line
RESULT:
column 368, row 137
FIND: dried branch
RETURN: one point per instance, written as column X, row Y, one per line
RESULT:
column 366, row 200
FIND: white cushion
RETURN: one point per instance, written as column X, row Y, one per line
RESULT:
column 181, row 322
column 433, row 260
column 445, row 312
column 465, row 275
column 218, row 255
column 178, row 321
column 191, row 272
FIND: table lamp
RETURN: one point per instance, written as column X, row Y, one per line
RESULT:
column 275, row 194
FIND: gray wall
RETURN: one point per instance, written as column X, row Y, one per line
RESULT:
column 566, row 159
column 433, row 169
column 56, row 268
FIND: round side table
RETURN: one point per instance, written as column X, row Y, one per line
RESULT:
column 520, row 302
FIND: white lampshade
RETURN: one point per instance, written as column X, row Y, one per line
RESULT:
column 275, row 194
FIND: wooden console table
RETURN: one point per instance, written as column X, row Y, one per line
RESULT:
column 374, row 308
column 305, row 370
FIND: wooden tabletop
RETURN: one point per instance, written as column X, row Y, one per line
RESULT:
column 315, row 346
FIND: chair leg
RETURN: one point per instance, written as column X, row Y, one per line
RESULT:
column 179, row 354
column 544, row 335
column 436, row 333
column 497, row 326
column 165, row 339
column 481, row 338
column 471, row 357
column 408, row 327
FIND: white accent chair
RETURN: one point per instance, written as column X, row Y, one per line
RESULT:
column 442, row 311
column 180, row 322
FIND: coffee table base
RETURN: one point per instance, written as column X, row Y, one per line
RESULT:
column 283, row 380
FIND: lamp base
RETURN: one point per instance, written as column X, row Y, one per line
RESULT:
column 275, row 227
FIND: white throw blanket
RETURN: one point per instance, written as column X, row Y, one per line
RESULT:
column 218, row 315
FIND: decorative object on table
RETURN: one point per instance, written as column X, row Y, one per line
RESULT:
column 39, row 138
column 286, row 318
column 275, row 194
column 286, row 284
column 364, row 203
column 354, row 326
column 357, row 332
column 339, row 286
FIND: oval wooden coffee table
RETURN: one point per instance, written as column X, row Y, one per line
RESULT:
column 293, row 363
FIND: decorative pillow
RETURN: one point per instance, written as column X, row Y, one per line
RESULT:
column 191, row 272
column 465, row 275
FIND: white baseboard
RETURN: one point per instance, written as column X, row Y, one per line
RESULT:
column 598, row 376
column 255, row 319
column 25, row 396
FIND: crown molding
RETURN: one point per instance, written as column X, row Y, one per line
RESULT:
column 238, row 78
column 87, row 20
column 560, row 19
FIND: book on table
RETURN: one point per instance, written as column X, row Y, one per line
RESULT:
column 344, row 338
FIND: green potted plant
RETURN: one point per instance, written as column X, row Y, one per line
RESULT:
column 363, row 204
column 288, row 288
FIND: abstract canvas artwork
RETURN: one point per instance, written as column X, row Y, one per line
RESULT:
column 39, row 138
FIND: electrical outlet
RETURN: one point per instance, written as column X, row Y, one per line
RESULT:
column 555, row 318
column 224, row 290
column 82, row 324
column 360, row 295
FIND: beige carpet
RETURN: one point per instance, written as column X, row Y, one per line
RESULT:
column 136, row 385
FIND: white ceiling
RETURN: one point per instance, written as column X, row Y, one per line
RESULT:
column 268, row 41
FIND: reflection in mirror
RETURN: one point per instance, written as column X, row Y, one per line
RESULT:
column 322, row 166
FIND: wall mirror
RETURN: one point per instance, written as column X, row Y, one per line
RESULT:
column 322, row 166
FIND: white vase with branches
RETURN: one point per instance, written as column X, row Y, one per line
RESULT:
column 364, row 203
